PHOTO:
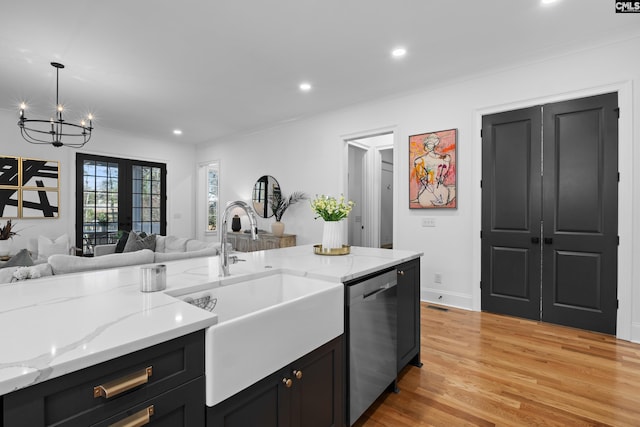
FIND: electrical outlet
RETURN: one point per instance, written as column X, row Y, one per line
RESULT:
column 428, row 222
column 437, row 278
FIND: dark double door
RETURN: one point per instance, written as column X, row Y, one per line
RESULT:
column 550, row 213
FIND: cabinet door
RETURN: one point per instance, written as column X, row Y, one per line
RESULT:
column 242, row 243
column 312, row 398
column 270, row 242
column 231, row 239
column 408, row 313
column 317, row 398
column 266, row 404
column 288, row 241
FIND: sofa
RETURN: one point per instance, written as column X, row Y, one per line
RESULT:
column 139, row 252
column 166, row 248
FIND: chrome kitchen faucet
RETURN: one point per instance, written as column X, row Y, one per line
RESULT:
column 223, row 270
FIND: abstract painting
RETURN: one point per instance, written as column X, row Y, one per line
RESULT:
column 9, row 170
column 29, row 188
column 39, row 203
column 39, row 173
column 9, row 202
column 9, row 184
column 432, row 166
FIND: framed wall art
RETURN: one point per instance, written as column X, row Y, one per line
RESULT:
column 40, row 173
column 9, row 186
column 9, row 202
column 9, row 171
column 29, row 188
column 432, row 166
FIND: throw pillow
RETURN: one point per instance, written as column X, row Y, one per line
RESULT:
column 175, row 244
column 122, row 241
column 135, row 242
column 48, row 247
column 22, row 259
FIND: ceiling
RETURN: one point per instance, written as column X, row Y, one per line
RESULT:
column 219, row 67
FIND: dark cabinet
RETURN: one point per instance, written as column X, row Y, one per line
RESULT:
column 164, row 383
column 409, row 314
column 305, row 393
column 180, row 407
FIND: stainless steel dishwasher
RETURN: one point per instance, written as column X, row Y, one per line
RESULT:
column 372, row 323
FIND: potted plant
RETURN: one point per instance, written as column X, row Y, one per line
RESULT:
column 279, row 205
column 7, row 232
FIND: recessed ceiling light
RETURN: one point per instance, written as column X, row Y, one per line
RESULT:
column 305, row 87
column 177, row 132
column 546, row 2
column 398, row 52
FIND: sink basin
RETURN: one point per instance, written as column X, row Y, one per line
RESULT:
column 264, row 324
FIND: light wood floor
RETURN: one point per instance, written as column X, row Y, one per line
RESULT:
column 483, row 369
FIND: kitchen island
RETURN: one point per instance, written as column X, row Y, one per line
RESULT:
column 55, row 326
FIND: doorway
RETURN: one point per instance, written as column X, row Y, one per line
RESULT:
column 370, row 186
column 549, row 213
column 386, row 198
column 114, row 195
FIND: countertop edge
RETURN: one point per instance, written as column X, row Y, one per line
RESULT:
column 35, row 377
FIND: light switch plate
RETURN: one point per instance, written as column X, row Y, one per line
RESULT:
column 428, row 222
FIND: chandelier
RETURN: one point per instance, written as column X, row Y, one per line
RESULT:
column 51, row 131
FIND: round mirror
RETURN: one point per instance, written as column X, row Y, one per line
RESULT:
column 263, row 190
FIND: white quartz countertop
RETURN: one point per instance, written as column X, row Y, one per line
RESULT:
column 56, row 325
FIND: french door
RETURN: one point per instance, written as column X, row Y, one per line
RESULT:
column 115, row 195
column 549, row 213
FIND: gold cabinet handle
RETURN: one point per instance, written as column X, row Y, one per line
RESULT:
column 297, row 373
column 138, row 419
column 287, row 382
column 401, row 272
column 120, row 385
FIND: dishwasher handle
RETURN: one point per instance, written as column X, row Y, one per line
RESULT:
column 372, row 295
column 369, row 288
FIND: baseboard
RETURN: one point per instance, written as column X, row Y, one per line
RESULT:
column 635, row 332
column 451, row 299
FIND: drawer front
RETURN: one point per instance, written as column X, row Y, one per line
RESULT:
column 53, row 402
column 183, row 406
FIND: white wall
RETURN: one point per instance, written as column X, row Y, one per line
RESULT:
column 180, row 162
column 309, row 155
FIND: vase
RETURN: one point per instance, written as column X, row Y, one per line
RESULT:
column 5, row 247
column 332, row 235
column 236, row 225
column 277, row 228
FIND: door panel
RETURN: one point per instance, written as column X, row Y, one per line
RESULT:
column 511, row 279
column 577, row 276
column 578, row 172
column 511, row 151
column 581, row 213
column 511, row 213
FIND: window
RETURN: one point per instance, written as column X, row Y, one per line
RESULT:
column 115, row 195
column 212, row 178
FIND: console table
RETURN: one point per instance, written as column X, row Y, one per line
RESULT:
column 242, row 241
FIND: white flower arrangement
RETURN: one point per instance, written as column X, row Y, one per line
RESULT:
column 331, row 209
